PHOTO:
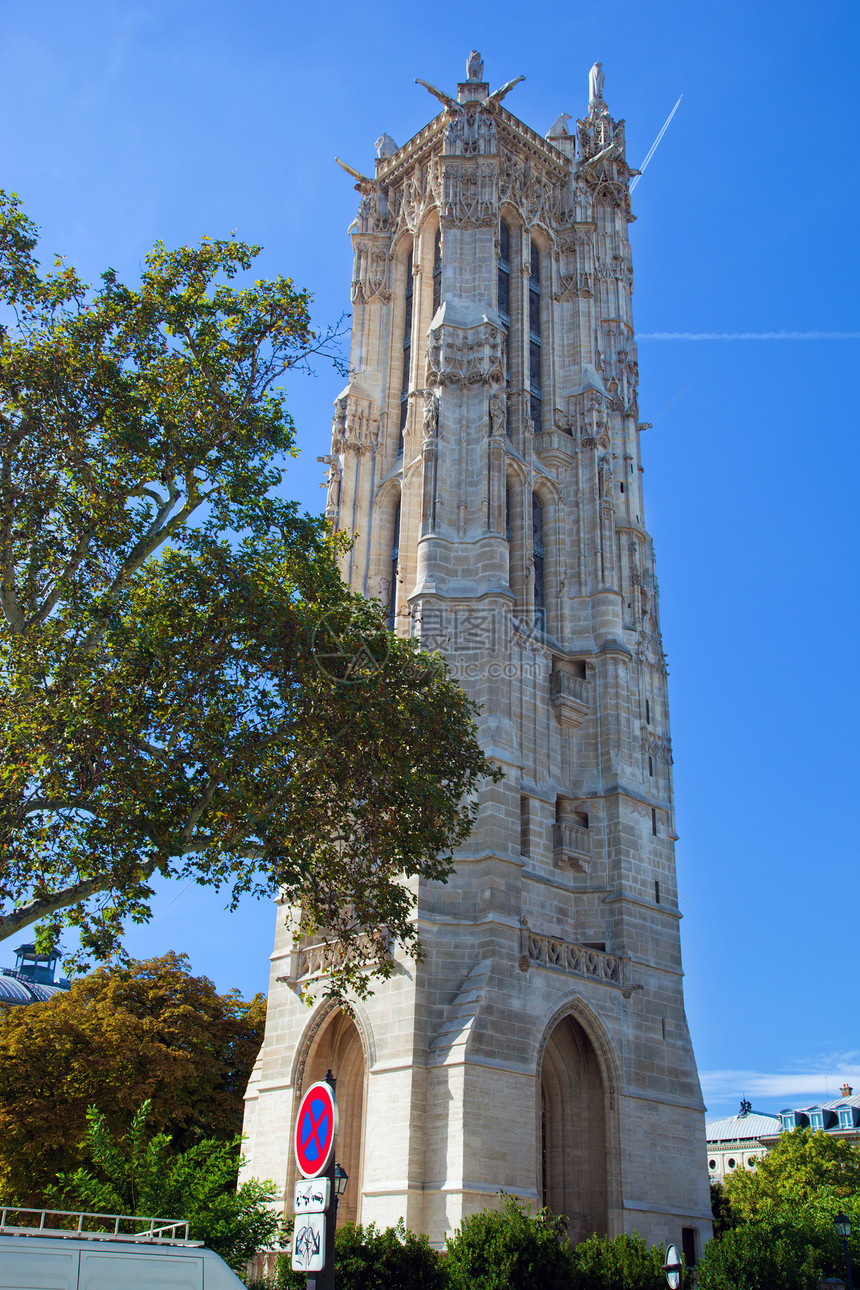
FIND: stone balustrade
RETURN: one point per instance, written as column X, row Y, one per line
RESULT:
column 580, row 960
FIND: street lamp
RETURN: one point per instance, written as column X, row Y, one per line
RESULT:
column 341, row 1178
column 842, row 1223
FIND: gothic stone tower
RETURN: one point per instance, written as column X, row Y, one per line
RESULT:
column 486, row 454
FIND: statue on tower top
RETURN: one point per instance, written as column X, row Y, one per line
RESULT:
column 595, row 84
column 474, row 66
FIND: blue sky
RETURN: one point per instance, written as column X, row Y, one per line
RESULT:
column 128, row 122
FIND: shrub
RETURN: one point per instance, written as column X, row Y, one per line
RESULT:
column 774, row 1252
column 368, row 1259
column 617, row 1263
column 509, row 1249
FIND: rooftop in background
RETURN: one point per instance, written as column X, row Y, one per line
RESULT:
column 746, row 1125
column 33, row 978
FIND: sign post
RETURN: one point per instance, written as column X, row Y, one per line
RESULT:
column 673, row 1267
column 315, row 1201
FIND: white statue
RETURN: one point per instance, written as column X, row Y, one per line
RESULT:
column 431, row 416
column 475, row 67
column 498, row 414
column 595, row 84
column 385, row 146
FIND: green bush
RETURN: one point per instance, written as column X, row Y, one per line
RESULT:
column 368, row 1259
column 617, row 1263
column 509, row 1249
column 777, row 1251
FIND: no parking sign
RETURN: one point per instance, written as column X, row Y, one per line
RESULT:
column 316, row 1128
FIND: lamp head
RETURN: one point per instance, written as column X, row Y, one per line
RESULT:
column 341, row 1178
column 842, row 1223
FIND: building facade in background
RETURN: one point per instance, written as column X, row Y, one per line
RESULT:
column 485, row 453
column 740, row 1141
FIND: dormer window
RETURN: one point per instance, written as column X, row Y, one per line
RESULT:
column 816, row 1120
column 788, row 1121
column 846, row 1117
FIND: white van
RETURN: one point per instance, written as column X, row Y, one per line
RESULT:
column 36, row 1256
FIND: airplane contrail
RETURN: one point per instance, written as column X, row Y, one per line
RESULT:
column 653, row 147
column 748, row 335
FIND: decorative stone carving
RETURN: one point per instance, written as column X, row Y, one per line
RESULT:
column 498, row 414
column 332, row 484
column 355, row 427
column 552, row 952
column 385, row 146
column 421, row 191
column 465, row 355
column 659, row 746
column 373, row 212
column 538, row 197
column 430, row 423
column 314, row 961
column 596, row 82
column 471, row 133
column 558, row 129
column 470, row 195
column 371, row 270
column 648, row 649
column 474, row 66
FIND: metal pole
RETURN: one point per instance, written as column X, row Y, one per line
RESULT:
column 325, row 1280
column 847, row 1262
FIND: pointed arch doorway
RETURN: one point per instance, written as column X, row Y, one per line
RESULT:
column 338, row 1048
column 574, row 1173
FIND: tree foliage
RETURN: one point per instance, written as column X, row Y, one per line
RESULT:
column 189, row 689
column 779, row 1250
column 367, row 1258
column 141, row 1174
column 143, row 1031
column 776, row 1221
column 802, row 1167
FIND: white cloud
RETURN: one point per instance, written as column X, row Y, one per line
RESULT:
column 820, row 1081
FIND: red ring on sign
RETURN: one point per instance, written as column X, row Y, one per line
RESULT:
column 316, row 1129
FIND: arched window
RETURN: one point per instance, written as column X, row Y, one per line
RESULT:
column 437, row 270
column 538, row 558
column 505, row 273
column 504, row 294
column 535, row 392
column 407, row 354
column 395, row 556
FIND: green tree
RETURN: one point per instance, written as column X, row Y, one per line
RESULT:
column 779, row 1250
column 140, row 1174
column 802, row 1167
column 189, row 688
column 142, row 1031
column 509, row 1249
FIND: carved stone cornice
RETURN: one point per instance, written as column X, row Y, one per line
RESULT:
column 465, row 351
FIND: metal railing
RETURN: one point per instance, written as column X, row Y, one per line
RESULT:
column 79, row 1224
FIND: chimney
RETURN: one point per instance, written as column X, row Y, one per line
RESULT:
column 846, row 1090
